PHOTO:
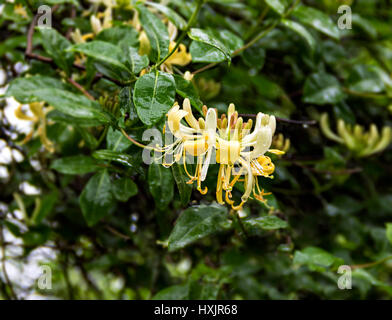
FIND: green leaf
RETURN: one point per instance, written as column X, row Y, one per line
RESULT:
column 266, row 223
column 322, row 88
column 75, row 165
column 389, row 232
column 160, row 184
column 128, row 111
column 96, row 200
column 277, row 5
column 178, row 292
column 136, row 62
column 181, row 179
column 110, row 155
column 74, row 105
column 197, row 222
column 254, row 57
column 313, row 256
column 209, row 39
column 120, row 35
column 317, row 19
column 173, row 16
column 153, row 96
column 364, row 78
column 202, row 52
column 116, row 141
column 22, row 89
column 109, row 56
column 299, row 29
column 156, row 32
column 124, row 188
column 55, row 45
column 44, row 207
column 186, row 89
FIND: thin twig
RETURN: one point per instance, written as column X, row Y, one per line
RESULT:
column 117, row 233
column 370, row 264
column 80, row 88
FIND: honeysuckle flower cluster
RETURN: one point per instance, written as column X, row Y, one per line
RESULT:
column 362, row 143
column 239, row 150
column 39, row 119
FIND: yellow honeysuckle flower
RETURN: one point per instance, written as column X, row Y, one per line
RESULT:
column 39, row 116
column 198, row 139
column 356, row 139
column 20, row 10
column 239, row 151
column 238, row 147
column 281, row 143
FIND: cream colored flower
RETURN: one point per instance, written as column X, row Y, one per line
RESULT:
column 39, row 117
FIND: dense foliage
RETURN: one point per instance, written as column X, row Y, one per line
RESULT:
column 117, row 228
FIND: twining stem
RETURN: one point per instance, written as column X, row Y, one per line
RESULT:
column 183, row 34
column 80, row 88
column 138, row 143
column 370, row 264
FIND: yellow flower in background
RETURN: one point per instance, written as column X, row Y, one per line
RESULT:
column 208, row 89
column 239, row 151
column 20, row 10
column 180, row 57
column 362, row 143
column 39, row 117
column 281, row 143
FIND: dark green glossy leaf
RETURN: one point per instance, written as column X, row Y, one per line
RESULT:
column 124, row 188
column 96, row 200
column 313, row 255
column 110, row 58
column 277, row 5
column 181, row 179
column 266, row 223
column 110, row 155
column 209, row 39
column 317, row 19
column 22, row 89
column 153, row 96
column 120, row 35
column 160, row 184
column 173, row 16
column 322, row 88
column 198, row 222
column 74, row 105
column 55, row 45
column 178, row 292
column 156, row 32
column 75, row 165
column 136, row 62
column 44, row 207
column 300, row 29
column 116, row 141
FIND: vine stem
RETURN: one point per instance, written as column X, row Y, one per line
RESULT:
column 183, row 34
column 370, row 264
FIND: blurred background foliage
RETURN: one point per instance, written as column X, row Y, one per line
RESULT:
column 76, row 196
